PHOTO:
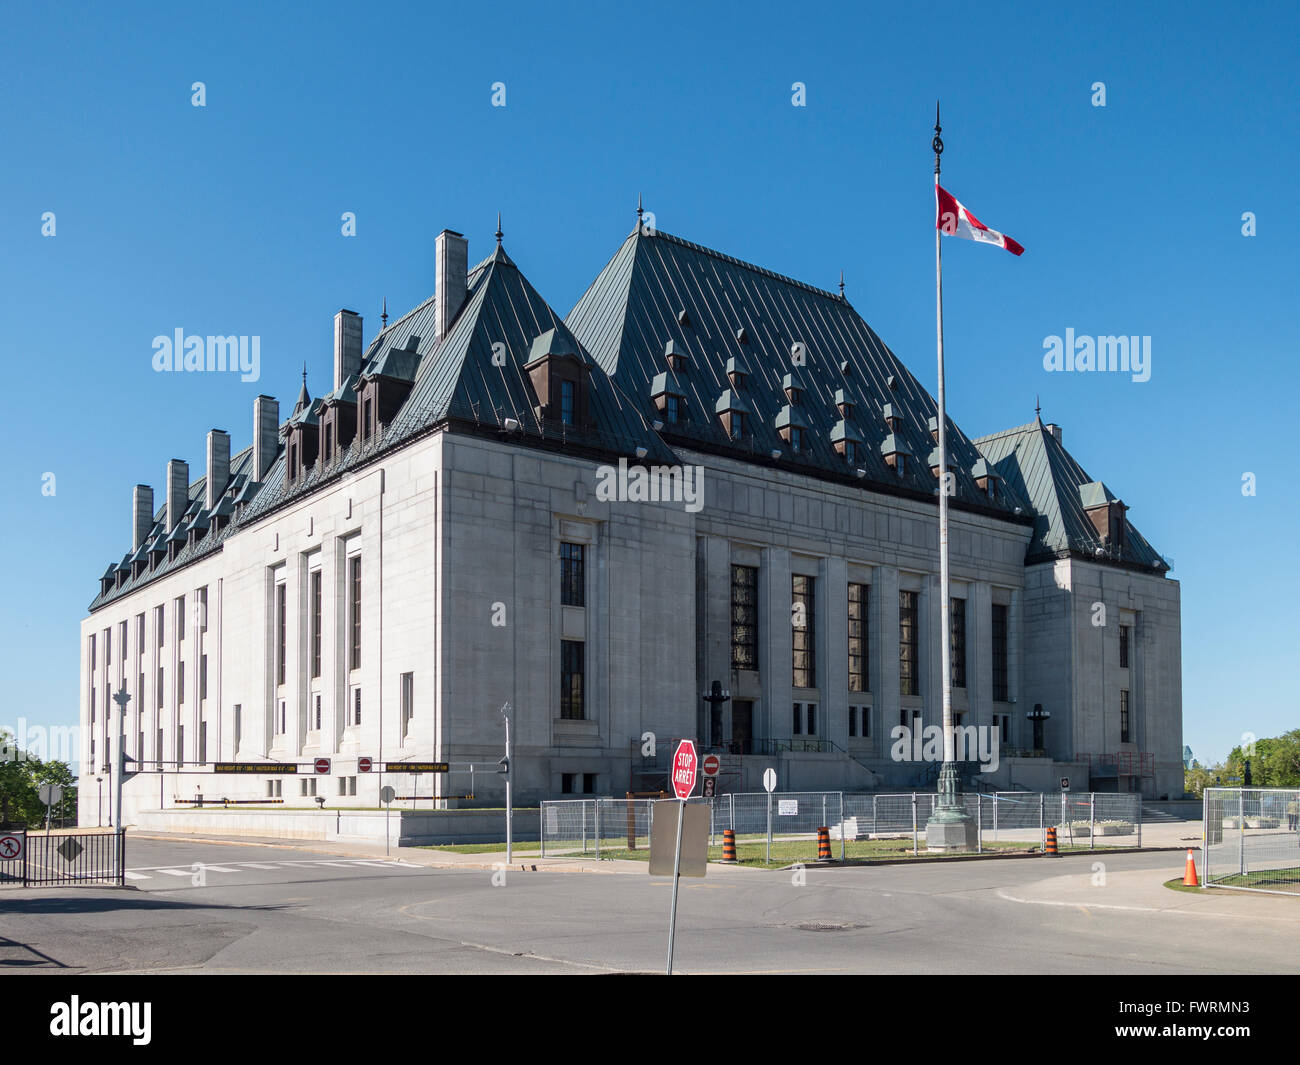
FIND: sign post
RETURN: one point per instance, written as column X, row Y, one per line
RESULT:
column 50, row 794
column 769, row 786
column 386, row 794
column 505, row 769
column 686, row 764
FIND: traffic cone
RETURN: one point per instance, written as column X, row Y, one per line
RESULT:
column 729, row 846
column 824, row 845
column 1189, row 875
column 1051, row 843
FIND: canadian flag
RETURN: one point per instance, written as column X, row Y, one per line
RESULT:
column 955, row 221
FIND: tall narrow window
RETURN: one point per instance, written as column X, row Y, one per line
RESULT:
column 180, row 618
column 1123, row 647
column 281, row 625
column 737, row 425
column 356, row 706
column 180, row 746
column 1000, row 686
column 908, row 649
column 569, row 402
column 315, row 622
column 180, row 681
column 1124, row 734
column 318, row 711
column 239, row 725
column 161, row 689
column 354, row 581
column 573, row 577
column 796, row 725
column 203, row 609
column 108, row 647
column 122, row 649
column 812, row 719
column 672, row 409
column 408, row 702
column 859, row 671
column 853, row 720
column 803, row 616
column 571, row 680
column 158, row 627
column 744, row 617
column 957, row 644
column 203, row 677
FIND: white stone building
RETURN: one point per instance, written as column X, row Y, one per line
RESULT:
column 370, row 581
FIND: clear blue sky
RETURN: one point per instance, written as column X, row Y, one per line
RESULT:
column 226, row 219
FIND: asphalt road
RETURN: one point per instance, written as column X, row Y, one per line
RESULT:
column 214, row 908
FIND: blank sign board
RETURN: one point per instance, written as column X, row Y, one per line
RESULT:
column 695, row 838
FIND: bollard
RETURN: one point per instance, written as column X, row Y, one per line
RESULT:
column 729, row 846
column 824, row 844
column 1051, row 843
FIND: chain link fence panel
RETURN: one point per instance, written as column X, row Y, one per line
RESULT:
column 1252, row 839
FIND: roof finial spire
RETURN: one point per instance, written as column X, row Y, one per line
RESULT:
column 639, row 211
column 383, row 318
column 1038, row 408
column 304, row 374
column 841, row 284
column 498, row 229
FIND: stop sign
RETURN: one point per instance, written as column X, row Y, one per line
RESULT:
column 685, row 767
column 322, row 765
column 711, row 765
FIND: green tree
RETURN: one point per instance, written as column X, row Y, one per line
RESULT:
column 21, row 776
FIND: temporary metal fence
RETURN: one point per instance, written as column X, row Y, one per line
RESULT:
column 861, row 825
column 1252, row 839
column 58, row 857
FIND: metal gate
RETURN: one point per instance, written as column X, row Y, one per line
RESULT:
column 55, row 858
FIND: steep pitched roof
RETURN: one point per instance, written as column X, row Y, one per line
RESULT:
column 1031, row 459
column 719, row 311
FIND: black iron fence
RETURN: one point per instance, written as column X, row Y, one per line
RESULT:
column 39, row 859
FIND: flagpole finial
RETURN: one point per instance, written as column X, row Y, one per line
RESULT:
column 937, row 143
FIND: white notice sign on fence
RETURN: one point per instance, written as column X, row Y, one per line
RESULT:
column 787, row 807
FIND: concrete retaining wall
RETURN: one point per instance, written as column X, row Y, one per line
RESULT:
column 407, row 827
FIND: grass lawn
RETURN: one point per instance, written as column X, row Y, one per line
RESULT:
column 785, row 852
column 1273, row 879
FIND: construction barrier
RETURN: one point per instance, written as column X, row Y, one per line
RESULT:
column 1051, row 842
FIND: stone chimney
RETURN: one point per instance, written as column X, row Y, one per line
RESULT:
column 178, row 491
column 218, row 467
column 266, row 435
column 1055, row 430
column 452, row 272
column 141, row 514
column 347, row 346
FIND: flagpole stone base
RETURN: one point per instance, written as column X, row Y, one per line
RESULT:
column 950, row 827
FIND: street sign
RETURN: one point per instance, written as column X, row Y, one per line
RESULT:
column 711, row 764
column 11, row 847
column 695, row 838
column 321, row 765
column 246, row 768
column 51, row 794
column 787, row 808
column 1065, row 783
column 686, row 765
column 365, row 764
column 386, row 794
column 710, row 787
column 769, row 780
column 416, row 767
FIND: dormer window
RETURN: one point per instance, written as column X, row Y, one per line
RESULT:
column 557, row 372
column 893, row 416
column 852, row 452
column 896, row 453
column 792, row 427
column 737, row 428
column 1105, row 512
column 737, row 372
column 367, row 417
column 844, row 403
column 792, row 387
column 734, row 414
column 675, row 356
column 847, row 442
column 672, row 409
column 985, row 479
column 796, row 438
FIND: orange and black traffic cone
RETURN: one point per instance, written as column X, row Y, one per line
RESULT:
column 729, row 846
column 1189, row 875
column 1051, row 843
column 824, row 845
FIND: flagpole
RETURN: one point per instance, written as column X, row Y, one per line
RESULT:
column 949, row 827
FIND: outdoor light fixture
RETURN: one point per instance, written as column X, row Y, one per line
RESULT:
column 657, row 425
column 775, row 453
column 511, row 425
column 1038, row 716
column 320, row 801
column 641, row 452
column 860, row 472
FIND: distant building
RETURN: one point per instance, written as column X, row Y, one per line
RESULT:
column 465, row 519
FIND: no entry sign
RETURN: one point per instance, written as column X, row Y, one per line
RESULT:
column 711, row 764
column 685, row 769
column 365, row 765
column 322, row 765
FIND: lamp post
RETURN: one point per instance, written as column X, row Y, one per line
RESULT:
column 715, row 697
column 505, row 770
column 121, row 697
column 1038, row 716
